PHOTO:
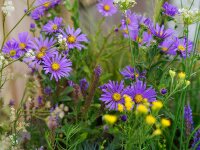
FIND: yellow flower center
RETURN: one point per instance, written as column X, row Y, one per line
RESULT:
column 40, row 55
column 181, row 48
column 136, row 75
column 55, row 66
column 125, row 31
column 71, row 39
column 43, row 49
column 116, row 96
column 138, row 98
column 164, row 49
column 47, row 4
column 55, row 27
column 139, row 39
column 12, row 52
column 22, row 45
column 128, row 20
column 106, row 7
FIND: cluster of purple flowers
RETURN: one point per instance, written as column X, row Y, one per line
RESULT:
column 114, row 93
column 43, row 51
column 41, row 6
column 169, row 9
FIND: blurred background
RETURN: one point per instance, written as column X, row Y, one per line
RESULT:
column 14, row 88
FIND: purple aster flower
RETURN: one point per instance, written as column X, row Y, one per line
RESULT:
column 130, row 21
column 11, row 48
column 24, row 42
column 163, row 91
column 196, row 140
column 167, row 46
column 183, row 46
column 37, row 13
column 74, row 38
column 53, row 26
column 145, row 39
column 188, row 120
column 113, row 94
column 42, row 47
column 106, row 7
column 160, row 32
column 131, row 73
column 169, row 9
column 127, row 33
column 57, row 66
column 140, row 93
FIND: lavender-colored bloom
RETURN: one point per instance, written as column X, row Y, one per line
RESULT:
column 24, row 42
column 144, row 40
column 106, row 7
column 169, row 9
column 42, row 47
column 37, row 13
column 167, row 46
column 140, row 93
column 57, row 66
column 84, row 84
column 183, row 46
column 47, row 90
column 53, row 26
column 127, row 33
column 148, row 22
column 124, row 118
column 196, row 140
column 74, row 38
column 113, row 94
column 160, row 32
column 131, row 73
column 163, row 91
column 131, row 21
column 39, row 100
column 11, row 48
column 188, row 120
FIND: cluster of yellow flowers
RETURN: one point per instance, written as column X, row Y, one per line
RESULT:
column 181, row 77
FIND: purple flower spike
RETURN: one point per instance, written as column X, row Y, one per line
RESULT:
column 106, row 7
column 188, row 120
column 196, row 140
column 57, row 66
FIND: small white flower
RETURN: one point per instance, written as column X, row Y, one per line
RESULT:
column 8, row 7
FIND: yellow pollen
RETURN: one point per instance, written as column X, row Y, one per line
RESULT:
column 40, row 55
column 138, row 98
column 12, row 52
column 125, row 31
column 106, row 7
column 55, row 27
column 136, row 75
column 22, row 45
column 43, row 49
column 55, row 66
column 164, row 49
column 47, row 4
column 181, row 48
column 116, row 96
column 71, row 39
column 128, row 20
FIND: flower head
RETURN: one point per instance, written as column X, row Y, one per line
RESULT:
column 150, row 120
column 11, row 48
column 160, row 32
column 167, row 46
column 142, row 109
column 110, row 119
column 140, row 93
column 183, row 46
column 74, row 38
column 8, row 7
column 196, row 140
column 169, row 9
column 57, row 66
column 106, row 7
column 53, row 26
column 157, row 105
column 113, row 94
column 130, row 21
column 131, row 73
column 165, row 122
